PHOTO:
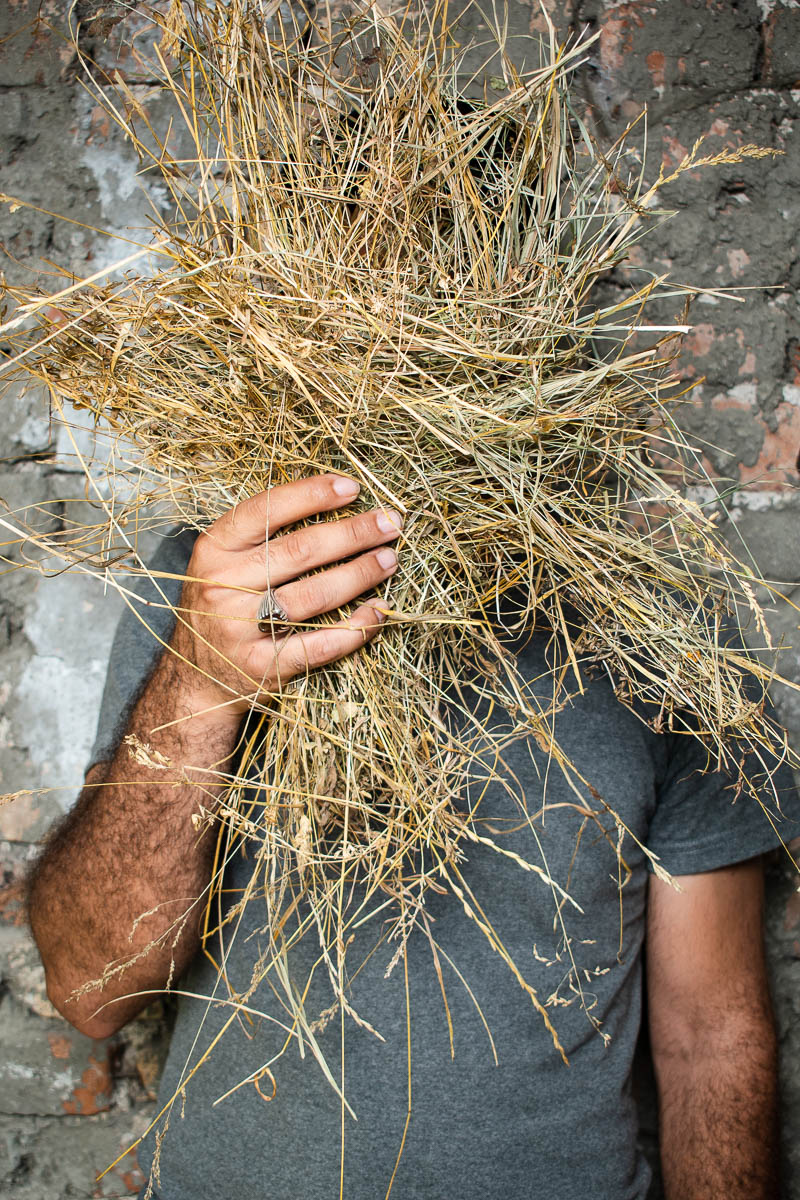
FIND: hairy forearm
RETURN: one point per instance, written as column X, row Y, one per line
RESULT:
column 718, row 1116
column 120, row 883
column 118, row 893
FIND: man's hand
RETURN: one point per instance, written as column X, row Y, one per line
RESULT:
column 118, row 892
column 712, row 1036
column 244, row 553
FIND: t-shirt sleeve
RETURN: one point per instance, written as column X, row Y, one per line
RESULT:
column 703, row 821
column 138, row 643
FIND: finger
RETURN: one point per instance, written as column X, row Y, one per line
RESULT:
column 257, row 518
column 305, row 651
column 331, row 589
column 316, row 545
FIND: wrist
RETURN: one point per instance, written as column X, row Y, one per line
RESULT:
column 199, row 709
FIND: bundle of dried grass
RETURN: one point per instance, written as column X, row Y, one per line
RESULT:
column 368, row 272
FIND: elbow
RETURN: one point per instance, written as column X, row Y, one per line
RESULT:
column 86, row 1014
column 94, row 1026
column 91, row 1013
column 735, row 1041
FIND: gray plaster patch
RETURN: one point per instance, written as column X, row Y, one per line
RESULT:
column 70, row 625
column 32, row 1080
column 26, row 418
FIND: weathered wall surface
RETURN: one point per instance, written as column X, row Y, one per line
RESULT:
column 727, row 71
column 68, row 1106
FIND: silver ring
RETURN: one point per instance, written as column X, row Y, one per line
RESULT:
column 272, row 617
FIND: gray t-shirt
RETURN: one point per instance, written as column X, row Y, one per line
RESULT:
column 500, row 1114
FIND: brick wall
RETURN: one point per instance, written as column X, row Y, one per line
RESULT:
column 726, row 71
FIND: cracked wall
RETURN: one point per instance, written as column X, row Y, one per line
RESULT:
column 727, row 71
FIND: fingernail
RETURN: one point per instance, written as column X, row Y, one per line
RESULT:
column 389, row 521
column 345, row 487
column 386, row 557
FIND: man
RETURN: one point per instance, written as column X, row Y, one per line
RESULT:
column 463, row 1097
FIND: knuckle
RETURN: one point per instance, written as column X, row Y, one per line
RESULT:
column 357, row 533
column 308, row 597
column 295, row 546
column 314, row 595
column 257, row 560
column 373, row 620
column 370, row 569
column 292, row 658
column 363, row 574
column 325, row 646
column 202, row 551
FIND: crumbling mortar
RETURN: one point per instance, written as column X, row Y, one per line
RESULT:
column 26, row 1114
column 22, row 460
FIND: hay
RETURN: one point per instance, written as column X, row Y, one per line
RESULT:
column 366, row 272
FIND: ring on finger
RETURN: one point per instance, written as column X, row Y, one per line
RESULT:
column 272, row 617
